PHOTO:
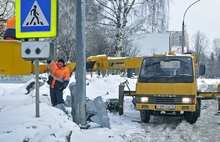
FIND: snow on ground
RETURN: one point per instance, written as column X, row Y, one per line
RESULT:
column 18, row 121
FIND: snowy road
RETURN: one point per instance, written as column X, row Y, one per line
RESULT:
column 173, row 129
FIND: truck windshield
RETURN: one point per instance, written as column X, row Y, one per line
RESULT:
column 166, row 69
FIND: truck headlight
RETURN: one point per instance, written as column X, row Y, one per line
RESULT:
column 187, row 100
column 142, row 99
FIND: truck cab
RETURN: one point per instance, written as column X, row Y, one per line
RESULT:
column 168, row 84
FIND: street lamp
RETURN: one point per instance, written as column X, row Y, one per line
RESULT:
column 183, row 30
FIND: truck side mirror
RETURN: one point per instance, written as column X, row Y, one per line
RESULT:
column 201, row 69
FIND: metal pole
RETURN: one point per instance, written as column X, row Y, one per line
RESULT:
column 183, row 30
column 183, row 37
column 121, row 98
column 80, row 65
column 37, row 87
column 72, row 88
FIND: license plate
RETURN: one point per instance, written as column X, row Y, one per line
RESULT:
column 165, row 107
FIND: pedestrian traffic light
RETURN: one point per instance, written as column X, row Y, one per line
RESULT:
column 96, row 112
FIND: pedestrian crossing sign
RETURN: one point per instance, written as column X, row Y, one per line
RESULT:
column 36, row 18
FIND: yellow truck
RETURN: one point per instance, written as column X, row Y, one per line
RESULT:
column 167, row 84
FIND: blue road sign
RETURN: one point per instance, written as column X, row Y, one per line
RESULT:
column 36, row 18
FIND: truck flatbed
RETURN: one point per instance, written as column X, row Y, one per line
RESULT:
column 208, row 95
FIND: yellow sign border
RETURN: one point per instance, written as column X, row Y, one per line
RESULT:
column 53, row 26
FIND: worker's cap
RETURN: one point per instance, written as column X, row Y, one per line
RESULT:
column 61, row 60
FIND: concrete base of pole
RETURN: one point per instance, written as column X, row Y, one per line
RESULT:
column 84, row 126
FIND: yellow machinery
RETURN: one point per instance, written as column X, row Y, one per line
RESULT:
column 102, row 62
column 167, row 84
column 12, row 63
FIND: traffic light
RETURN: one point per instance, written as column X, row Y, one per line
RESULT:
column 96, row 112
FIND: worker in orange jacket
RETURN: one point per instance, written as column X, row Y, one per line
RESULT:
column 10, row 30
column 58, row 81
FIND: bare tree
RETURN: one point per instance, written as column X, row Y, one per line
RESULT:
column 130, row 16
column 154, row 15
column 115, row 13
column 130, row 50
column 214, row 62
column 6, row 11
column 65, row 41
column 97, row 41
column 216, row 47
column 201, row 43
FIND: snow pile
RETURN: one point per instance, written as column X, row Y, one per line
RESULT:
column 208, row 85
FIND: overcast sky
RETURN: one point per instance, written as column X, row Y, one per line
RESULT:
column 203, row 15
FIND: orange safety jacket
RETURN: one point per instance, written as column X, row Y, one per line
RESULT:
column 10, row 30
column 58, row 74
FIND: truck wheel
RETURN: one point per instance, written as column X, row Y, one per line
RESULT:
column 188, row 116
column 145, row 116
column 192, row 117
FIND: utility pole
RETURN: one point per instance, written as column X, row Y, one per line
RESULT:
column 183, row 26
column 80, row 65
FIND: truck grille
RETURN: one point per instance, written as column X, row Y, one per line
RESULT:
column 166, row 100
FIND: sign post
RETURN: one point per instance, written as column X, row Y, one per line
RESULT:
column 37, row 50
column 36, row 19
column 37, row 88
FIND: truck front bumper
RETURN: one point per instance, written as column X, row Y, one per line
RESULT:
column 166, row 107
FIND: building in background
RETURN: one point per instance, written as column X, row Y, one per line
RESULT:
column 176, row 40
column 159, row 43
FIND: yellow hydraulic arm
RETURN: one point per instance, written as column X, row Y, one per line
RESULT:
column 102, row 62
column 208, row 95
column 11, row 62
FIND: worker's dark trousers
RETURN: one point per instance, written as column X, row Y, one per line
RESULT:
column 56, row 96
